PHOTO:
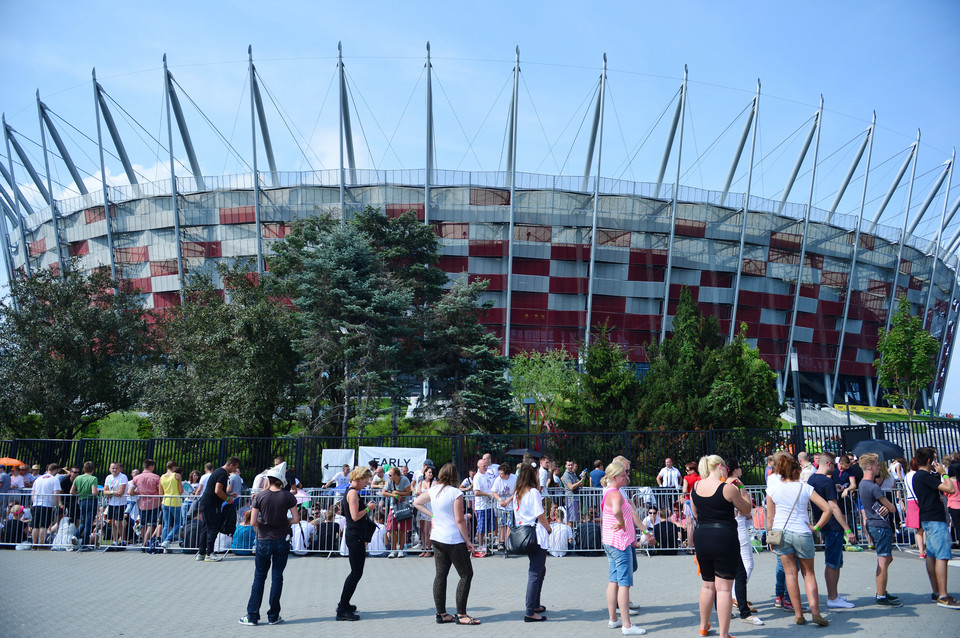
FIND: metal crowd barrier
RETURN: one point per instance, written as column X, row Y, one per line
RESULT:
column 666, row 511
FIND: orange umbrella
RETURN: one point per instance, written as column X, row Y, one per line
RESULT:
column 10, row 462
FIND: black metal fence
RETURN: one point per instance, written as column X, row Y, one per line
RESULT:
column 646, row 449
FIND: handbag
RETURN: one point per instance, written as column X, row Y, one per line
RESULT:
column 775, row 536
column 402, row 510
column 522, row 540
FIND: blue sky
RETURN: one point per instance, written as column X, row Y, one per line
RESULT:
column 891, row 57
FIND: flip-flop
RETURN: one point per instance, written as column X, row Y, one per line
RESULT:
column 466, row 620
column 445, row 618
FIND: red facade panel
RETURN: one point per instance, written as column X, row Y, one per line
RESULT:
column 532, row 300
column 713, row 279
column 488, row 248
column 528, row 232
column 788, row 241
column 37, row 247
column 489, row 197
column 642, row 272
column 197, row 249
column 163, row 267
column 497, row 282
column 834, row 279
column 570, row 252
column 690, row 228
column 95, row 214
column 143, row 284
column 755, row 267
column 238, row 215
column 608, row 303
column 620, row 238
column 528, row 317
column 537, row 267
column 452, row 230
column 648, row 257
column 78, row 248
column 568, row 285
column 132, row 255
column 575, row 318
column 454, row 263
column 166, row 299
column 275, row 230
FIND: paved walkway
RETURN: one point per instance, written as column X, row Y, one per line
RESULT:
column 131, row 594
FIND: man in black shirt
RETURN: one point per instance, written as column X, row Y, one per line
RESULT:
column 930, row 481
column 270, row 509
column 834, row 532
column 214, row 498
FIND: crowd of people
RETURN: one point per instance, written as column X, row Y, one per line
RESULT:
column 381, row 511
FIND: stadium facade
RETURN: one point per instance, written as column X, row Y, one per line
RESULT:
column 560, row 253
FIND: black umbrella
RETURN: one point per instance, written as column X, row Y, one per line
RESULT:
column 886, row 450
column 520, row 451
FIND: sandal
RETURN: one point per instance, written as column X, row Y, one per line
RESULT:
column 445, row 618
column 466, row 620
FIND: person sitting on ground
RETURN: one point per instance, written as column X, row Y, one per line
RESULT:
column 327, row 532
column 561, row 536
column 244, row 537
column 377, row 545
column 15, row 529
column 193, row 533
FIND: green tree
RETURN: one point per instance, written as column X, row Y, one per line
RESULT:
column 465, row 365
column 70, row 352
column 604, row 398
column 546, row 377
column 695, row 382
column 906, row 364
column 229, row 367
column 353, row 317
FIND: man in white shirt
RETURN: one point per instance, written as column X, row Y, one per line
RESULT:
column 483, row 506
column 504, row 487
column 543, row 475
column 340, row 478
column 668, row 478
column 806, row 467
column 46, row 500
column 115, row 489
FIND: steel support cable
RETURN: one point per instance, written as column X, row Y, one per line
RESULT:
column 716, row 141
column 399, row 121
column 356, row 111
column 211, row 125
column 236, row 118
column 79, row 147
column 540, row 122
column 782, row 143
column 470, row 142
column 616, row 116
column 650, row 131
column 317, row 123
column 285, row 120
column 130, row 118
column 587, row 97
column 586, row 112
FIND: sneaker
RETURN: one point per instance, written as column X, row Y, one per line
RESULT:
column 948, row 602
column 615, row 624
column 165, row 545
column 347, row 615
column 840, row 603
column 886, row 601
column 392, row 555
column 788, row 606
column 633, row 630
column 199, row 557
column 275, row 621
column 778, row 602
column 634, row 605
column 400, row 554
column 752, row 620
column 934, row 596
column 249, row 623
column 210, row 559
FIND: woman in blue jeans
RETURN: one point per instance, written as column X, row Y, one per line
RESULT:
column 528, row 510
column 273, row 511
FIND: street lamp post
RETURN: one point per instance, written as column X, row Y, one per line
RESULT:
column 527, row 402
column 346, row 390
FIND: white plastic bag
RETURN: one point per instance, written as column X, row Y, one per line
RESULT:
column 65, row 532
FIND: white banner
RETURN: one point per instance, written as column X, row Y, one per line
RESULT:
column 332, row 461
column 412, row 457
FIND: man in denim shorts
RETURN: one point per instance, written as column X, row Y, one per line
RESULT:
column 834, row 532
column 929, row 482
column 877, row 509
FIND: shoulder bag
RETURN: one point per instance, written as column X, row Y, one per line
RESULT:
column 522, row 540
column 775, row 536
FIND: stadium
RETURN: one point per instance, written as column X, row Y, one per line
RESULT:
column 561, row 253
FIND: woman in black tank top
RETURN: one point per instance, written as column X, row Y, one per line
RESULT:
column 355, row 509
column 716, row 541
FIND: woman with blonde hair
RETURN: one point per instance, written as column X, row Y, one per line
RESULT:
column 787, row 501
column 714, row 501
column 356, row 536
column 618, row 532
